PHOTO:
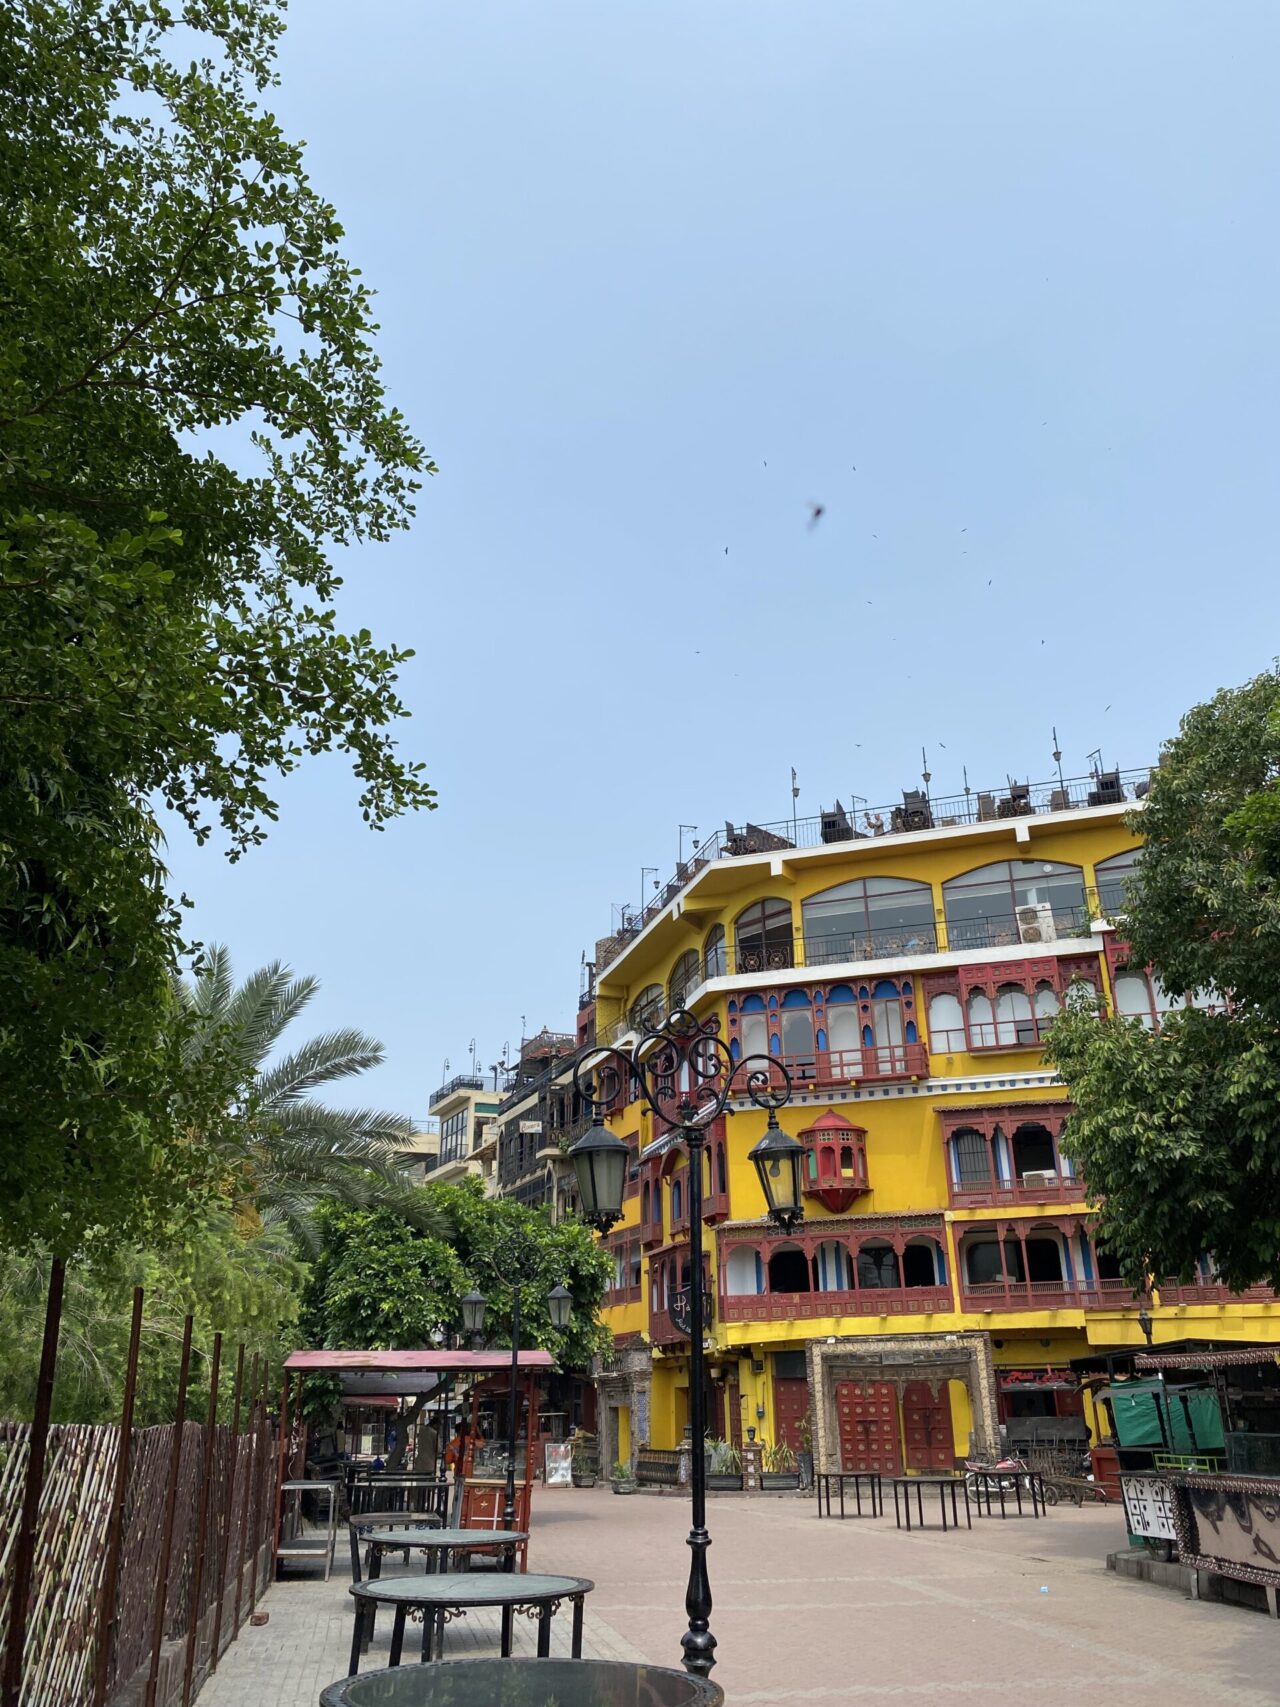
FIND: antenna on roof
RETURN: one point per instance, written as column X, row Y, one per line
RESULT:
column 1057, row 759
column 925, row 774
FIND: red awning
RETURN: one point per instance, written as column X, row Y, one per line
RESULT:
column 457, row 1362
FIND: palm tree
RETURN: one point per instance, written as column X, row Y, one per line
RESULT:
column 284, row 1150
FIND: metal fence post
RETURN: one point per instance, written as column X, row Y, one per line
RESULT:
column 282, row 1468
column 224, row 1508
column 24, row 1556
column 258, row 1488
column 248, row 1490
column 171, row 1501
column 115, row 1531
column 202, row 1526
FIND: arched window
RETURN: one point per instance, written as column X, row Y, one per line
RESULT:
column 684, row 977
column 1133, row 998
column 646, row 1010
column 871, row 918
column 887, row 1030
column 983, row 906
column 722, row 1181
column 982, row 1020
column 1047, row 1006
column 753, row 1027
column 762, row 936
column 743, row 1273
column 1033, row 1150
column 1115, row 877
column 843, row 1037
column 677, row 1200
column 946, row 1023
column 1014, row 1021
column 797, row 1027
column 644, row 1204
column 789, row 1270
column 713, row 954
column 878, row 1268
column 921, row 1263
column 970, row 1158
column 832, row 1267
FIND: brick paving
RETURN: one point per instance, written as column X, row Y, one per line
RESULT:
column 822, row 1612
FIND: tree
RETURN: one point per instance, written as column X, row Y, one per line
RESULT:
column 380, row 1283
column 1178, row 1131
column 280, row 1151
column 191, row 419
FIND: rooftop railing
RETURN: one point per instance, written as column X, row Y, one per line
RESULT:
column 915, row 813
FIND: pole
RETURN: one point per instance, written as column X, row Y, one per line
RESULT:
column 37, row 1448
column 170, row 1504
column 698, row 1643
column 115, row 1529
column 248, row 1489
column 282, row 1467
column 228, row 1493
column 202, row 1527
column 509, row 1507
column 258, row 1490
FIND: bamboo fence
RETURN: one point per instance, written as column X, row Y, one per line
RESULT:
column 67, row 1620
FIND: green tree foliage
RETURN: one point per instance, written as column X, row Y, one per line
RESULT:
column 244, row 1286
column 379, row 1282
column 1178, row 1131
column 279, row 1150
column 191, row 419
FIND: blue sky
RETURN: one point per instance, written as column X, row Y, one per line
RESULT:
column 653, row 277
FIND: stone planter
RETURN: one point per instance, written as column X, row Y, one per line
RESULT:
column 724, row 1481
column 627, row 1487
column 583, row 1478
column 774, row 1481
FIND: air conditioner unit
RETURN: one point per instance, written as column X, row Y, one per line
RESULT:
column 1039, row 1176
column 1035, row 923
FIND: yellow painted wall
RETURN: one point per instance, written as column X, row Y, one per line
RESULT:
column 906, row 1156
column 961, row 1416
column 624, row 1433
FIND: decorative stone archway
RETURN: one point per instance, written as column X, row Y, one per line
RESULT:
column 622, row 1380
column 901, row 1359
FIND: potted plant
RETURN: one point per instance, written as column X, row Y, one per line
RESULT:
column 724, row 1466
column 778, row 1467
column 804, row 1457
column 622, row 1478
column 584, row 1466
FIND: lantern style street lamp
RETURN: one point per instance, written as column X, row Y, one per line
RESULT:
column 688, row 1076
column 473, row 1305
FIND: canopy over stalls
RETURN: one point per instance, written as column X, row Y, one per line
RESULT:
column 439, row 1362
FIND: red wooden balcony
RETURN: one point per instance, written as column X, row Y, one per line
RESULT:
column 1212, row 1292
column 1036, row 1187
column 811, row 1306
column 857, row 1066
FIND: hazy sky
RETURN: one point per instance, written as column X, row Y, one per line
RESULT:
column 995, row 283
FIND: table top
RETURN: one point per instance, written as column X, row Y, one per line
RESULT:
column 524, row 1683
column 472, row 1588
column 471, row 1538
column 394, row 1519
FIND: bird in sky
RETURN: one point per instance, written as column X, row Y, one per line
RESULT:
column 964, row 530
column 726, row 550
column 816, row 513
column 988, row 583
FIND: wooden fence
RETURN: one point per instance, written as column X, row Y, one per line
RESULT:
column 99, row 1570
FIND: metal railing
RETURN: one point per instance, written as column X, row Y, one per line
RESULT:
column 459, row 1082
column 939, row 812
column 893, row 942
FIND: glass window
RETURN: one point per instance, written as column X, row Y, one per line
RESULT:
column 869, row 919
column 982, row 905
column 753, row 1027
column 972, row 1157
column 877, row 1268
column 1133, row 998
column 646, row 1010
column 1047, row 1005
column 713, row 955
column 797, row 1026
column 1014, row 1021
column 684, row 977
column 946, row 1022
column 982, row 1020
column 1115, row 876
column 762, row 936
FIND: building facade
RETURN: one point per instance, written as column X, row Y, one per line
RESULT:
column 947, row 1271
column 466, row 1109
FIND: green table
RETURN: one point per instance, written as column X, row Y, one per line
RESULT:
column 439, row 1599
column 524, row 1683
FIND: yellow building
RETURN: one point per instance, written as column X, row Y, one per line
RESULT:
column 947, row 1272
column 466, row 1109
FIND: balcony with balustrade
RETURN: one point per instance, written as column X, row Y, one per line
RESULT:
column 881, row 1266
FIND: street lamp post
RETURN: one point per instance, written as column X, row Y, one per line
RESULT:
column 560, row 1303
column 687, row 1075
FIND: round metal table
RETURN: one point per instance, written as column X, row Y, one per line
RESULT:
column 362, row 1527
column 441, row 1598
column 434, row 1542
column 525, row 1683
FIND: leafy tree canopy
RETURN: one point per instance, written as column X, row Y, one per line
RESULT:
column 191, row 419
column 1178, row 1131
column 380, row 1283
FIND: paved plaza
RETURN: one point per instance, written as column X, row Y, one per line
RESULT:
column 810, row 1611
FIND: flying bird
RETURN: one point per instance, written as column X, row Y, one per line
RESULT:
column 817, row 511
column 726, row 550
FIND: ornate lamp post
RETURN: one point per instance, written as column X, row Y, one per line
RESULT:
column 473, row 1304
column 687, row 1076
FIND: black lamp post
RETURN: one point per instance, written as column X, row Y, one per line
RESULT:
column 473, row 1305
column 687, row 1076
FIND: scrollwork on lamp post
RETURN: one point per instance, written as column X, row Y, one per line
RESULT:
column 687, row 1075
